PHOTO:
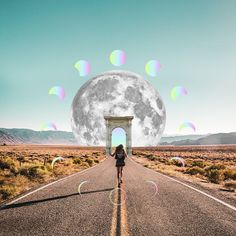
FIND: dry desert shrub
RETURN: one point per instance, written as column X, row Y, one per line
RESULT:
column 96, row 153
column 151, row 157
column 89, row 161
column 6, row 163
column 77, row 161
column 33, row 172
column 229, row 174
column 231, row 185
column 164, row 160
column 176, row 162
column 215, row 167
column 214, row 176
column 198, row 163
column 195, row 170
column 6, row 191
column 85, row 164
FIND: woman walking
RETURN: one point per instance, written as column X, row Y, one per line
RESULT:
column 120, row 156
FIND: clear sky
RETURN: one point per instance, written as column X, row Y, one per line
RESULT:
column 195, row 41
column 118, row 137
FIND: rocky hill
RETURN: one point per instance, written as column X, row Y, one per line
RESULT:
column 8, row 139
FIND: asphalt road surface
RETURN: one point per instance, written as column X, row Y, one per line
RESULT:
column 139, row 207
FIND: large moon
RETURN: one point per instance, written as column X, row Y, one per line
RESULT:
column 118, row 93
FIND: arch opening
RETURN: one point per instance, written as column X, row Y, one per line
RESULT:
column 118, row 137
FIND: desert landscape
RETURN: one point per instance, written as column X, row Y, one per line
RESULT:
column 211, row 166
column 23, row 167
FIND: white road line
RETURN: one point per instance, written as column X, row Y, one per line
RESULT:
column 47, row 185
column 188, row 186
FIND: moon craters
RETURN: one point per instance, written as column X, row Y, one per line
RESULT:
column 117, row 93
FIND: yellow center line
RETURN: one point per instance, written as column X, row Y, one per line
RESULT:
column 119, row 225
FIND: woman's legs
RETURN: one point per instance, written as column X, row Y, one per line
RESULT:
column 118, row 172
column 121, row 173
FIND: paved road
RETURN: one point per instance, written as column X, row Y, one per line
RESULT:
column 136, row 210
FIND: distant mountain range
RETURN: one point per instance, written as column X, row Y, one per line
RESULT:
column 173, row 138
column 28, row 136
column 210, row 139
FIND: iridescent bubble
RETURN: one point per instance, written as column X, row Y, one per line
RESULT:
column 83, row 182
column 152, row 182
column 56, row 159
column 48, row 126
column 177, row 91
column 118, row 58
column 57, row 90
column 152, row 67
column 119, row 199
column 178, row 159
column 187, row 124
column 83, row 67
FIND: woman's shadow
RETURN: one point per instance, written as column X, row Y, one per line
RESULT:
column 29, row 203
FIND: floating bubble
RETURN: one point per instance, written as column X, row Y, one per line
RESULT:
column 187, row 125
column 118, row 58
column 152, row 67
column 119, row 197
column 178, row 159
column 57, row 90
column 56, row 159
column 81, row 186
column 177, row 91
column 48, row 126
column 152, row 182
column 83, row 67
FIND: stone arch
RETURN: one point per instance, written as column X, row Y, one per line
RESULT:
column 124, row 122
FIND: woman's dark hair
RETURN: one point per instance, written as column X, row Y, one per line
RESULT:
column 119, row 148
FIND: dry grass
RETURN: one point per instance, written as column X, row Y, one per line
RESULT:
column 212, row 164
column 231, row 185
column 25, row 166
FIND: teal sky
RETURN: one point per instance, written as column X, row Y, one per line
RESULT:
column 118, row 137
column 195, row 41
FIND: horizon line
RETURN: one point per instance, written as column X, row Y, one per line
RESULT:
column 164, row 134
